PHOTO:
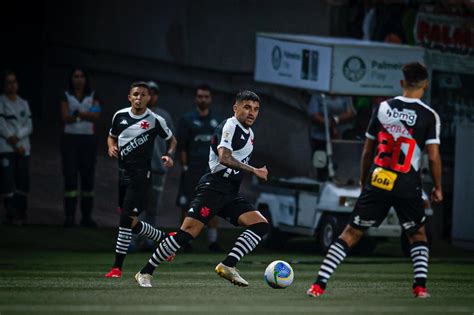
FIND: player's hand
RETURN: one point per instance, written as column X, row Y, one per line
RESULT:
column 436, row 195
column 261, row 173
column 113, row 151
column 167, row 161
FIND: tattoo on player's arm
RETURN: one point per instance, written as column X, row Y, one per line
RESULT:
column 226, row 158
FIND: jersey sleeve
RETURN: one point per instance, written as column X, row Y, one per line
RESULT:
column 227, row 135
column 374, row 124
column 162, row 128
column 114, row 129
column 433, row 130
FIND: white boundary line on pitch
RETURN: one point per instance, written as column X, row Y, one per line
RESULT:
column 239, row 309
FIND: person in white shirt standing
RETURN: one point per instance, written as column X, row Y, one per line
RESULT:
column 15, row 129
column 80, row 111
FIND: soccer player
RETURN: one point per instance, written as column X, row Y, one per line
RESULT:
column 131, row 141
column 218, row 194
column 400, row 129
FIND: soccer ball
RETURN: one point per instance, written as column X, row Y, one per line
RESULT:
column 279, row 274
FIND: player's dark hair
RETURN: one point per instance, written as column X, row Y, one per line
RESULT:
column 87, row 87
column 203, row 87
column 246, row 95
column 414, row 73
column 142, row 84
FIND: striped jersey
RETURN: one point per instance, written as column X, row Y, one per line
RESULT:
column 230, row 134
column 401, row 128
column 136, row 136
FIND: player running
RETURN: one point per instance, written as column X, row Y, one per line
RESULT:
column 400, row 128
column 131, row 140
column 217, row 193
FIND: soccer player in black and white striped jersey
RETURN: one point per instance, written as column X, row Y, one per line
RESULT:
column 131, row 140
column 401, row 128
column 218, row 194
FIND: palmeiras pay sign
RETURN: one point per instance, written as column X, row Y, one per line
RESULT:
column 342, row 66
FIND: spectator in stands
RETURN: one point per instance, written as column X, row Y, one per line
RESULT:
column 15, row 129
column 340, row 114
column 80, row 109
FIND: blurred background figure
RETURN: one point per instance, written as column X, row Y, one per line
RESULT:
column 194, row 135
column 15, row 130
column 340, row 114
column 158, row 169
column 80, row 110
column 363, row 107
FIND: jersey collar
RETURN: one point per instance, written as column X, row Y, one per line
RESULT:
column 137, row 116
column 410, row 100
column 246, row 130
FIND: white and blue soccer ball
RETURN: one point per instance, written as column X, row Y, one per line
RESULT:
column 279, row 274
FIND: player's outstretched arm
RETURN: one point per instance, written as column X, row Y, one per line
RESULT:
column 435, row 169
column 112, row 144
column 226, row 158
column 167, row 158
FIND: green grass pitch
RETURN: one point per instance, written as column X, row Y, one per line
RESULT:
column 49, row 280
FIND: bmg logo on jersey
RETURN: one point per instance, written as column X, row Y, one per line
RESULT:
column 407, row 115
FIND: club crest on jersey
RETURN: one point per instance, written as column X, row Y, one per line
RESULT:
column 144, row 124
column 407, row 115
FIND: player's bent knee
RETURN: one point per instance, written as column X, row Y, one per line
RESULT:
column 351, row 235
column 250, row 218
column 192, row 226
column 417, row 236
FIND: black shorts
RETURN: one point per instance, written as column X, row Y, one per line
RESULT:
column 134, row 189
column 373, row 206
column 208, row 203
column 14, row 173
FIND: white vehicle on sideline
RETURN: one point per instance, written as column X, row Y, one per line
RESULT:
column 304, row 206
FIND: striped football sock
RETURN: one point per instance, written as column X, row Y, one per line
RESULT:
column 246, row 242
column 419, row 253
column 335, row 255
